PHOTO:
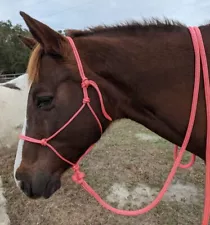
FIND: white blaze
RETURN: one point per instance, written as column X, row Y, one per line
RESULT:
column 18, row 158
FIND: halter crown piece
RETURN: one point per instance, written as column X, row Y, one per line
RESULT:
column 78, row 176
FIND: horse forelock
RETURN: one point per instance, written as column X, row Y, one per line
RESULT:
column 33, row 67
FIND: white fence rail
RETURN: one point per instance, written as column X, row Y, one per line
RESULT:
column 8, row 77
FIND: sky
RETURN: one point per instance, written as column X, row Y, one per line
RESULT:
column 80, row 14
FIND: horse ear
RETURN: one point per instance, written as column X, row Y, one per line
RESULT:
column 29, row 42
column 48, row 38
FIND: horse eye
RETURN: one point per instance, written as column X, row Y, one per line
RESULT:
column 43, row 101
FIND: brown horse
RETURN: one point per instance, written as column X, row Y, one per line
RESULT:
column 145, row 72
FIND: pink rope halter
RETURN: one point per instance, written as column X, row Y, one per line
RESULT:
column 86, row 101
column 78, row 176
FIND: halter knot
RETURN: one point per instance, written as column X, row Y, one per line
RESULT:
column 86, row 100
column 43, row 142
column 85, row 83
column 78, row 176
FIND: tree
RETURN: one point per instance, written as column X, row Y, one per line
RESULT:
column 13, row 55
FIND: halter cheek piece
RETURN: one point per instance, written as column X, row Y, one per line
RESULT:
column 78, row 176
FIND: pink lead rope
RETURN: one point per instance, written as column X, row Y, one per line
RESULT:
column 78, row 176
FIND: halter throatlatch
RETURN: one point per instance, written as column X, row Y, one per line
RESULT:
column 78, row 176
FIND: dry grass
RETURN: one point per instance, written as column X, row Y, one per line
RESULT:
column 121, row 159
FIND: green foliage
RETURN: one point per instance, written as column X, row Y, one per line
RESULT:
column 13, row 54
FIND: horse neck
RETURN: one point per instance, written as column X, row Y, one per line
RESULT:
column 149, row 77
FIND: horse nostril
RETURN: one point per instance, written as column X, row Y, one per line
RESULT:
column 26, row 188
column 20, row 176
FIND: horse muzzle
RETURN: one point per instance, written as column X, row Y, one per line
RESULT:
column 39, row 185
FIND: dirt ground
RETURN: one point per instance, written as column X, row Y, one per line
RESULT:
column 127, row 168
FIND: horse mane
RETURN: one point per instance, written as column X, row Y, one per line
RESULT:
column 34, row 63
column 127, row 27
